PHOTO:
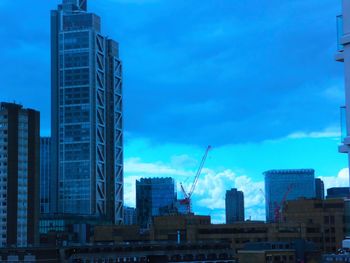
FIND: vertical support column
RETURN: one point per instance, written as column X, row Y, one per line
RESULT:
column 345, row 41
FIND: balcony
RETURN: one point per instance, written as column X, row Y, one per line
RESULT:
column 340, row 33
column 343, row 132
column 344, row 147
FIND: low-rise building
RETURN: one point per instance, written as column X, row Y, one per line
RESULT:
column 331, row 258
column 338, row 192
column 286, row 252
column 123, row 252
column 191, row 228
column 324, row 217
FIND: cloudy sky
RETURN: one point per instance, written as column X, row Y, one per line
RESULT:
column 254, row 79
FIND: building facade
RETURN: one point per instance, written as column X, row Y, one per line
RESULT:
column 45, row 171
column 326, row 216
column 19, row 175
column 282, row 185
column 188, row 229
column 152, row 194
column 338, row 192
column 234, row 206
column 130, row 216
column 319, row 188
column 86, row 116
column 273, row 252
column 204, row 252
column 343, row 55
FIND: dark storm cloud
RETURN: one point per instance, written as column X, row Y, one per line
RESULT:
column 197, row 71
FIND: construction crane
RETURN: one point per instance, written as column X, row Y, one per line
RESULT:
column 278, row 207
column 263, row 194
column 187, row 195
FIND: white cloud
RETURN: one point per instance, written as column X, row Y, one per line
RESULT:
column 331, row 132
column 335, row 92
column 135, row 169
column 135, row 1
column 211, row 189
column 183, row 160
column 212, row 186
column 135, row 165
column 209, row 195
column 341, row 180
column 130, row 190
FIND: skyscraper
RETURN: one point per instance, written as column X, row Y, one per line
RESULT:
column 86, row 116
column 19, row 175
column 282, row 185
column 319, row 188
column 152, row 194
column 234, row 206
column 342, row 55
column 45, row 171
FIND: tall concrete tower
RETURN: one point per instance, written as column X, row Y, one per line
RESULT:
column 19, row 175
column 86, row 115
column 234, row 206
column 343, row 55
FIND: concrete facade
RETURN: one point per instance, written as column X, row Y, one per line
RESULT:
column 326, row 219
column 189, row 228
column 343, row 55
column 234, row 206
column 19, row 175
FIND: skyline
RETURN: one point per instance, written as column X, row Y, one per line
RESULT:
column 299, row 118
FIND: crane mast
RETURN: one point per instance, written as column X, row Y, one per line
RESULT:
column 187, row 195
column 278, row 207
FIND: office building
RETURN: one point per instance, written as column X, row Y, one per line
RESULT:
column 152, row 194
column 45, row 171
column 19, row 175
column 130, row 216
column 234, row 206
column 155, row 252
column 319, row 188
column 282, row 185
column 86, row 116
column 343, row 55
column 189, row 229
column 267, row 252
column 334, row 258
column 338, row 192
column 327, row 217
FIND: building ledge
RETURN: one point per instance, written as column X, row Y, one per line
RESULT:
column 343, row 148
column 345, row 39
column 339, row 56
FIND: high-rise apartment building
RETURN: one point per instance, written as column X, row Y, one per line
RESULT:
column 282, row 185
column 19, row 175
column 152, row 194
column 45, row 171
column 319, row 189
column 234, row 206
column 343, row 55
column 86, row 116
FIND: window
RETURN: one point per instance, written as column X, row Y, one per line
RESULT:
column 326, row 220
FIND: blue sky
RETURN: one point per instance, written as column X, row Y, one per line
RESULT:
column 255, row 79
